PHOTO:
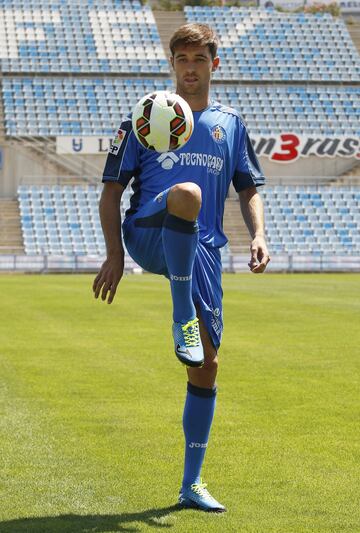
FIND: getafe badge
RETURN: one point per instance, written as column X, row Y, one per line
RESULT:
column 218, row 134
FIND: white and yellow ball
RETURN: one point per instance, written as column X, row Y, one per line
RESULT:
column 162, row 121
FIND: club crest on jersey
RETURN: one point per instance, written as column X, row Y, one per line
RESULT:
column 218, row 134
column 117, row 142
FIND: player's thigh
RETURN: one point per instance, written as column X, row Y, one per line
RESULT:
column 142, row 234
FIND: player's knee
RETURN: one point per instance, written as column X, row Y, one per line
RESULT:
column 187, row 194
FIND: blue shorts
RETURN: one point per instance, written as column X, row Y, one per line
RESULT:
column 145, row 246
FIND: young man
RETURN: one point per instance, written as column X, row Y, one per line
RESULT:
column 174, row 228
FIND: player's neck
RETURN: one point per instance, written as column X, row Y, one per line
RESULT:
column 196, row 102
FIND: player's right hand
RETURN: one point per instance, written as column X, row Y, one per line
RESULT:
column 108, row 278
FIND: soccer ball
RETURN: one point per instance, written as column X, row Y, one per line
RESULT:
column 162, row 121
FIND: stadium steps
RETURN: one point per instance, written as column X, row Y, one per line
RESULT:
column 352, row 175
column 11, row 241
column 235, row 228
column 2, row 116
column 354, row 30
column 167, row 22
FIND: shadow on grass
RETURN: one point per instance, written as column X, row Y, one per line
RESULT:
column 90, row 523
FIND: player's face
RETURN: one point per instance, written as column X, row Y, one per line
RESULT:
column 193, row 66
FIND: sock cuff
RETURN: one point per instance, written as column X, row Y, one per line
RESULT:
column 199, row 391
column 180, row 224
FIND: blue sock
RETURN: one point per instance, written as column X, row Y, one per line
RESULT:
column 180, row 238
column 198, row 415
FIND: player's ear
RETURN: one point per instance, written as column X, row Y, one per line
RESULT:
column 215, row 63
column 172, row 61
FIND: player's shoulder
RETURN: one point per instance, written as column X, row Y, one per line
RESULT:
column 127, row 122
column 227, row 110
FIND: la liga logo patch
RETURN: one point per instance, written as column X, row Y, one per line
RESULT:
column 119, row 137
column 218, row 134
column 117, row 142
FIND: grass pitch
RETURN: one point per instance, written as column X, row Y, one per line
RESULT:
column 92, row 397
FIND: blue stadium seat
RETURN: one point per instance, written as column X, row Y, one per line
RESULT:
column 82, row 99
column 276, row 39
column 65, row 221
column 321, row 227
column 97, row 37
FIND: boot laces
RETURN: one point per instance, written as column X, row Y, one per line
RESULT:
column 191, row 333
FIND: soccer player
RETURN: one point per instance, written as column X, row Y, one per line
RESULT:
column 174, row 228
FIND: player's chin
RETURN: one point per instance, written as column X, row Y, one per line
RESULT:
column 191, row 87
column 190, row 92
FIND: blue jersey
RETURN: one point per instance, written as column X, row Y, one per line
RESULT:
column 218, row 152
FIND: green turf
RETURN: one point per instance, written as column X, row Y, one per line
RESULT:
column 92, row 398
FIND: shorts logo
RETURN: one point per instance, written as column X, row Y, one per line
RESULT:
column 216, row 320
column 180, row 278
column 159, row 197
column 167, row 160
column 218, row 134
column 117, row 142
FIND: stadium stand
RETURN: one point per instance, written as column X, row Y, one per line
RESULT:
column 71, row 106
column 86, row 106
column 265, row 45
column 273, row 109
column 77, row 67
column 59, row 220
column 79, row 37
column 316, row 220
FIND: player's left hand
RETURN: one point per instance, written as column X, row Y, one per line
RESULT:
column 259, row 255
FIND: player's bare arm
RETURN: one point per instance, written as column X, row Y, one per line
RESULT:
column 112, row 269
column 253, row 213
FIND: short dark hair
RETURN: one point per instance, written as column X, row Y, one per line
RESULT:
column 194, row 33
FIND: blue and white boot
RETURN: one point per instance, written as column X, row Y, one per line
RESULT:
column 188, row 346
column 198, row 497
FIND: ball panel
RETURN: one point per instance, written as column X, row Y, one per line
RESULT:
column 178, row 110
column 175, row 123
column 147, row 108
column 180, row 130
column 174, row 142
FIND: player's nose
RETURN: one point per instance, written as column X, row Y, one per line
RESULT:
column 190, row 68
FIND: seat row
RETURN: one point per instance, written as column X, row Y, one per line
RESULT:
column 279, row 38
column 316, row 220
column 62, row 220
column 61, row 36
column 94, row 106
column 89, row 37
column 65, row 220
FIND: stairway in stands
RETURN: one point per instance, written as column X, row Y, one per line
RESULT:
column 354, row 30
column 235, row 228
column 11, row 241
column 167, row 22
